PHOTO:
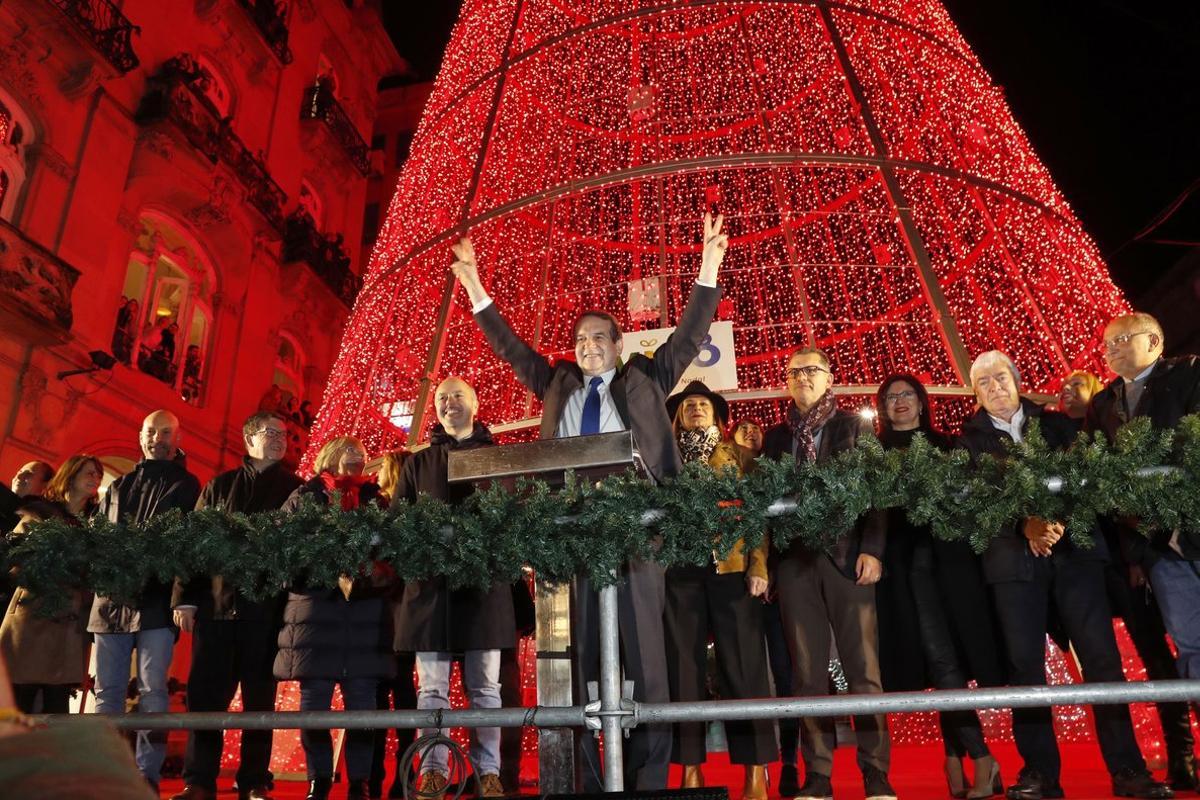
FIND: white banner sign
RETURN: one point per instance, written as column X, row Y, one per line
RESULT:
column 715, row 364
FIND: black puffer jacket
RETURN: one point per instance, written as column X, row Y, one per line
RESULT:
column 431, row 617
column 324, row 635
column 153, row 487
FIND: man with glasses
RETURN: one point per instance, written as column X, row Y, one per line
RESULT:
column 233, row 639
column 1165, row 390
column 820, row 590
column 1032, row 567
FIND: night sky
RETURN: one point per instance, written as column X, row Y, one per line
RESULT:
column 1108, row 91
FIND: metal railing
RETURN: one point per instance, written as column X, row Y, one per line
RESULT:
column 271, row 24
column 106, row 27
column 325, row 254
column 320, row 104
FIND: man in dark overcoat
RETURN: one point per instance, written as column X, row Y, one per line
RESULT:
column 435, row 621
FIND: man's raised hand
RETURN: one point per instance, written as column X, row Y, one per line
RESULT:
column 715, row 244
column 466, row 270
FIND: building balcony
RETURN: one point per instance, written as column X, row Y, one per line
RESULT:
column 176, row 94
column 102, row 23
column 326, row 255
column 35, row 288
column 266, row 16
column 321, row 106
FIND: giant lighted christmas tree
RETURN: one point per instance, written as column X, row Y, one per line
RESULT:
column 881, row 200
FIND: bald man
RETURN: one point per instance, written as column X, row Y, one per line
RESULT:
column 156, row 485
column 435, row 622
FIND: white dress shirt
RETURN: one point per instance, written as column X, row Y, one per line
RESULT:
column 572, row 413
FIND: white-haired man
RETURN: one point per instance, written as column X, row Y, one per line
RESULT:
column 1033, row 566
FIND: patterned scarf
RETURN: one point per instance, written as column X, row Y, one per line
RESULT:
column 698, row 444
column 804, row 426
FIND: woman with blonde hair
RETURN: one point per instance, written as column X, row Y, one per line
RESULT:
column 47, row 655
column 336, row 635
column 721, row 598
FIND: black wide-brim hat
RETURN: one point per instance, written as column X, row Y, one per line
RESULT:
column 720, row 406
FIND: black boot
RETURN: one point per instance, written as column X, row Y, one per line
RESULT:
column 318, row 788
column 1181, row 773
column 357, row 790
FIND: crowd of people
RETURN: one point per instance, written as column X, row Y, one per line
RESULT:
column 901, row 609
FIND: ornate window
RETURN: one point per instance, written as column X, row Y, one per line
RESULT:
column 165, row 319
column 289, row 375
column 14, row 132
column 215, row 87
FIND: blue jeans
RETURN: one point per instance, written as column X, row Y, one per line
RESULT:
column 1176, row 585
column 358, row 694
column 154, row 650
column 481, row 682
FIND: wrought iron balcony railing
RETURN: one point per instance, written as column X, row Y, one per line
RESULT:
column 325, row 254
column 320, row 104
column 107, row 28
column 271, row 24
column 176, row 93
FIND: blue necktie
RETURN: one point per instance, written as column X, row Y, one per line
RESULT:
column 591, row 409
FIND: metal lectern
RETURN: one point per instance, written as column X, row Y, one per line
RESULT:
column 591, row 457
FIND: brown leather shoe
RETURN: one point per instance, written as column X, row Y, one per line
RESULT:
column 254, row 793
column 431, row 786
column 693, row 778
column 490, row 786
column 755, row 787
column 193, row 792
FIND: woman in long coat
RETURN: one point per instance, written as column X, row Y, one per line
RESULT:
column 336, row 635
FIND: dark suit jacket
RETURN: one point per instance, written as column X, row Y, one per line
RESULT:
column 639, row 389
column 1008, row 557
column 1172, row 392
column 839, row 434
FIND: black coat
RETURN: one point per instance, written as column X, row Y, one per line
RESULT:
column 957, row 577
column 432, row 617
column 1008, row 557
column 639, row 390
column 247, row 491
column 153, row 487
column 1172, row 392
column 839, row 434
column 324, row 635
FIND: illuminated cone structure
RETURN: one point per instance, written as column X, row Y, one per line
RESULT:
column 881, row 200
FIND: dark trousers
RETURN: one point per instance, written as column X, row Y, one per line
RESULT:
column 781, row 670
column 700, row 601
column 56, row 698
column 1076, row 588
column 400, row 694
column 358, row 694
column 640, row 600
column 225, row 654
column 1144, row 623
column 961, row 732
column 814, row 596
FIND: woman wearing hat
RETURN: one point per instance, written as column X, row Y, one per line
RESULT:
column 720, row 598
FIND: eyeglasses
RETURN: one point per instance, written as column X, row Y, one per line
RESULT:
column 271, row 433
column 809, row 372
column 896, row 397
column 1124, row 338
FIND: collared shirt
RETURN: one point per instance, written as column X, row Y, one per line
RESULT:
column 572, row 413
column 1013, row 426
column 1132, row 390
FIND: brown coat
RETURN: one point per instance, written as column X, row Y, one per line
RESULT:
column 49, row 650
column 727, row 453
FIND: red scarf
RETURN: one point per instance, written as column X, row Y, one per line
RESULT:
column 348, row 485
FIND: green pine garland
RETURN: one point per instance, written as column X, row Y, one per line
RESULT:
column 592, row 528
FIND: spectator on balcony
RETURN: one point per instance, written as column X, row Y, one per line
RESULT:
column 233, row 637
column 158, row 349
column 125, row 330
column 191, row 374
column 1076, row 392
column 32, row 479
column 272, row 400
column 291, row 411
column 307, row 418
column 158, row 484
